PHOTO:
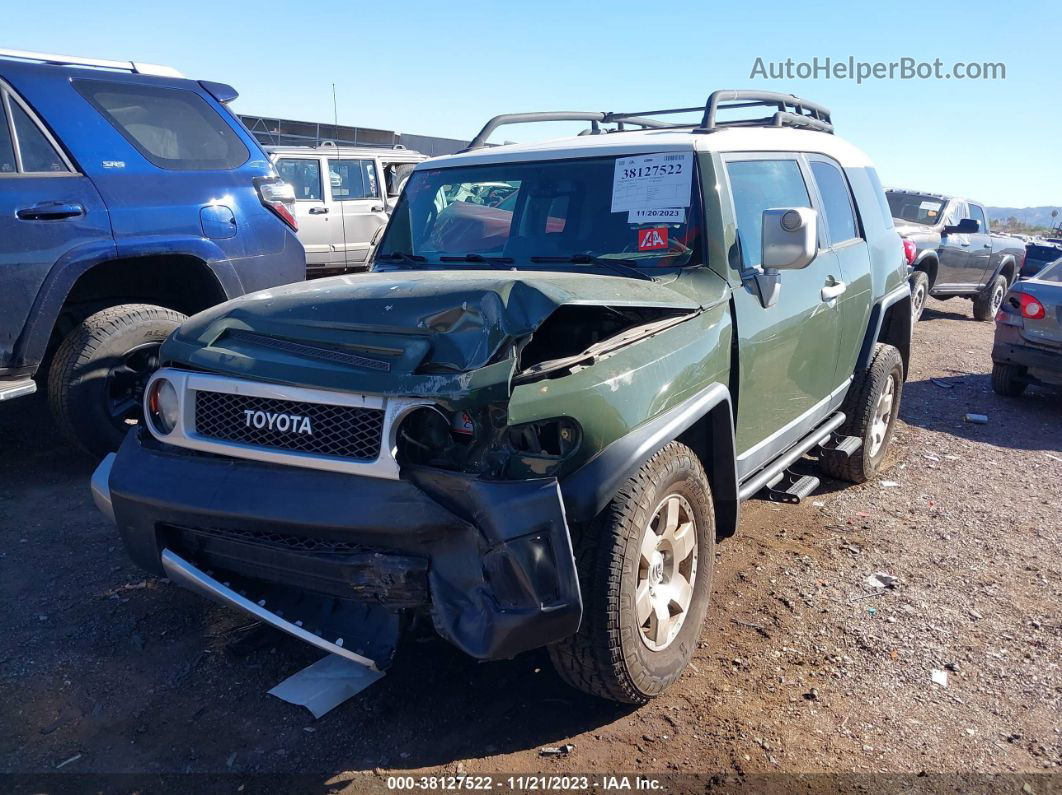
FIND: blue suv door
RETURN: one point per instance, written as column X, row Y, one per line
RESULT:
column 48, row 211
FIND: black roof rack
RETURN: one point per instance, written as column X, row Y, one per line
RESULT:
column 790, row 111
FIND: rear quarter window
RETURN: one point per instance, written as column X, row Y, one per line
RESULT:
column 172, row 127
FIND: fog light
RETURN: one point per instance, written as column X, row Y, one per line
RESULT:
column 163, row 407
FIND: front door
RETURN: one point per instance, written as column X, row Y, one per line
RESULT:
column 980, row 246
column 313, row 215
column 47, row 211
column 957, row 264
column 787, row 379
column 357, row 197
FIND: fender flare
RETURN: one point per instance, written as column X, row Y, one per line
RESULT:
column 75, row 263
column 590, row 488
column 877, row 317
column 1002, row 264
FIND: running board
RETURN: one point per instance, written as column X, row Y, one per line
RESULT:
column 845, row 445
column 9, row 390
column 776, row 470
column 791, row 487
column 184, row 573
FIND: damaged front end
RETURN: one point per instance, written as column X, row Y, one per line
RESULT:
column 349, row 454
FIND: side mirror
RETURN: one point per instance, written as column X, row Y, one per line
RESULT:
column 790, row 238
column 967, row 226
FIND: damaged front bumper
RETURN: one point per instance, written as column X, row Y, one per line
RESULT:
column 490, row 561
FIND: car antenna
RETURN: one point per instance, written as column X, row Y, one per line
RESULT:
column 342, row 212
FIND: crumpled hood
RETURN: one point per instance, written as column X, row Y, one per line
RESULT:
column 910, row 230
column 400, row 321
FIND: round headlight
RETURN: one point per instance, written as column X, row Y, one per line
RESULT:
column 163, row 406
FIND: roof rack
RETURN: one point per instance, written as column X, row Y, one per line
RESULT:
column 72, row 60
column 790, row 111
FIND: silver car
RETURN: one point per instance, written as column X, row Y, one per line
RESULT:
column 1028, row 344
column 343, row 196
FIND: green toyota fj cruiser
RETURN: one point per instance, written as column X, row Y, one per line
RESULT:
column 570, row 364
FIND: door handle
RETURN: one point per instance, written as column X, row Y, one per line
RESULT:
column 987, row 245
column 965, row 245
column 376, row 209
column 318, row 210
column 52, row 211
column 832, row 290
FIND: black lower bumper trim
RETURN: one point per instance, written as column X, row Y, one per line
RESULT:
column 501, row 577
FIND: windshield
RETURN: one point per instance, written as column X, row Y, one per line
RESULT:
column 916, row 208
column 579, row 211
column 1052, row 273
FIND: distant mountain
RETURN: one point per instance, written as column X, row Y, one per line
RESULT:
column 1032, row 216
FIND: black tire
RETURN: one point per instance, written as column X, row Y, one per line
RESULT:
column 608, row 657
column 988, row 301
column 1007, row 379
column 919, row 294
column 860, row 409
column 99, row 371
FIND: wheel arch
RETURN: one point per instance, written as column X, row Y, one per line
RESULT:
column 184, row 281
column 703, row 422
column 890, row 322
column 928, row 264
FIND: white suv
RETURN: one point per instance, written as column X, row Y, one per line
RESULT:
column 343, row 196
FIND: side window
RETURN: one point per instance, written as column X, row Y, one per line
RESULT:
column 836, row 200
column 759, row 185
column 304, row 175
column 956, row 212
column 37, row 154
column 396, row 174
column 353, row 179
column 22, row 141
column 978, row 215
column 172, row 127
column 7, row 149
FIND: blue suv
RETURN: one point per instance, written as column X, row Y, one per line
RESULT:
column 129, row 198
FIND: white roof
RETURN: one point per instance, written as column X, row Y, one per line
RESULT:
column 732, row 139
column 347, row 151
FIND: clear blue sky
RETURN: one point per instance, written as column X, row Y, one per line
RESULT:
column 443, row 68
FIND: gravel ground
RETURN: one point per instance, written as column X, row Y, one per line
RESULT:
column 802, row 667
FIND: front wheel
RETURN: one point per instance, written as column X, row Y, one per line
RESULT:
column 919, row 294
column 99, row 372
column 870, row 410
column 645, row 571
column 988, row 301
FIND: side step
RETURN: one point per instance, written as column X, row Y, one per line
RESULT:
column 839, row 443
column 790, row 487
column 9, row 390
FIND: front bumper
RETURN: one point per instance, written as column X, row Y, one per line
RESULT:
column 490, row 561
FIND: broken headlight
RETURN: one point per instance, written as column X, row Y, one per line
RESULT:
column 553, row 438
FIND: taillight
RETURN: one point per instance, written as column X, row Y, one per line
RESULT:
column 910, row 251
column 279, row 197
column 1030, row 307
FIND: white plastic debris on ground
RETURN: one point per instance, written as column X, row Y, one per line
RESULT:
column 940, row 678
column 326, row 684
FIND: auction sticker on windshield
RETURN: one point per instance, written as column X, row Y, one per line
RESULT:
column 652, row 182
column 667, row 215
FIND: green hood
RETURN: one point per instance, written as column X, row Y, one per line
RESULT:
column 374, row 332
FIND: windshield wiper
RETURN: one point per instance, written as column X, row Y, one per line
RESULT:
column 624, row 267
column 493, row 261
column 402, row 257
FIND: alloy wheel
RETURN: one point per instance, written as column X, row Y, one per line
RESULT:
column 667, row 570
column 882, row 418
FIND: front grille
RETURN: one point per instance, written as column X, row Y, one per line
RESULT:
column 318, row 428
column 293, row 543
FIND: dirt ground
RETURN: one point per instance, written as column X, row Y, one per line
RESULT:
column 799, row 669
